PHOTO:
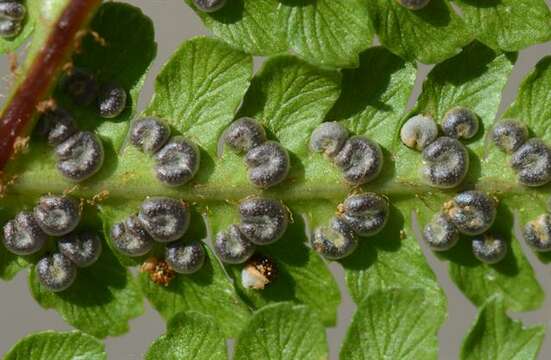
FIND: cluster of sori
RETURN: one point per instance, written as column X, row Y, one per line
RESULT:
column 262, row 222
column 359, row 158
column 176, row 159
column 413, row 4
column 209, row 5
column 470, row 213
column 267, row 161
column 445, row 158
column 530, row 158
column 360, row 215
column 163, row 220
column 537, row 233
column 12, row 14
column 79, row 154
column 84, row 89
column 56, row 216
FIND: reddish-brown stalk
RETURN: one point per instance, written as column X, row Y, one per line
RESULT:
column 16, row 117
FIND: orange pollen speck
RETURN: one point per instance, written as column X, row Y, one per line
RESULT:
column 98, row 198
column 45, row 105
column 20, row 145
column 159, row 271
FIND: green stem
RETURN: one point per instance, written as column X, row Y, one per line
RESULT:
column 226, row 181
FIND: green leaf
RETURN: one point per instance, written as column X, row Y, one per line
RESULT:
column 429, row 35
column 530, row 107
column 102, row 300
column 291, row 98
column 124, row 58
column 475, row 79
column 189, row 335
column 531, row 104
column 284, row 332
column 375, row 95
column 328, row 32
column 393, row 324
column 512, row 278
column 207, row 291
column 508, row 25
column 494, row 336
column 254, row 26
column 324, row 32
column 200, row 88
column 303, row 276
column 53, row 345
column 10, row 264
column 393, row 259
column 199, row 92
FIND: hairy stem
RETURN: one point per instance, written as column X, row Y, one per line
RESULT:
column 16, row 118
column 222, row 183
